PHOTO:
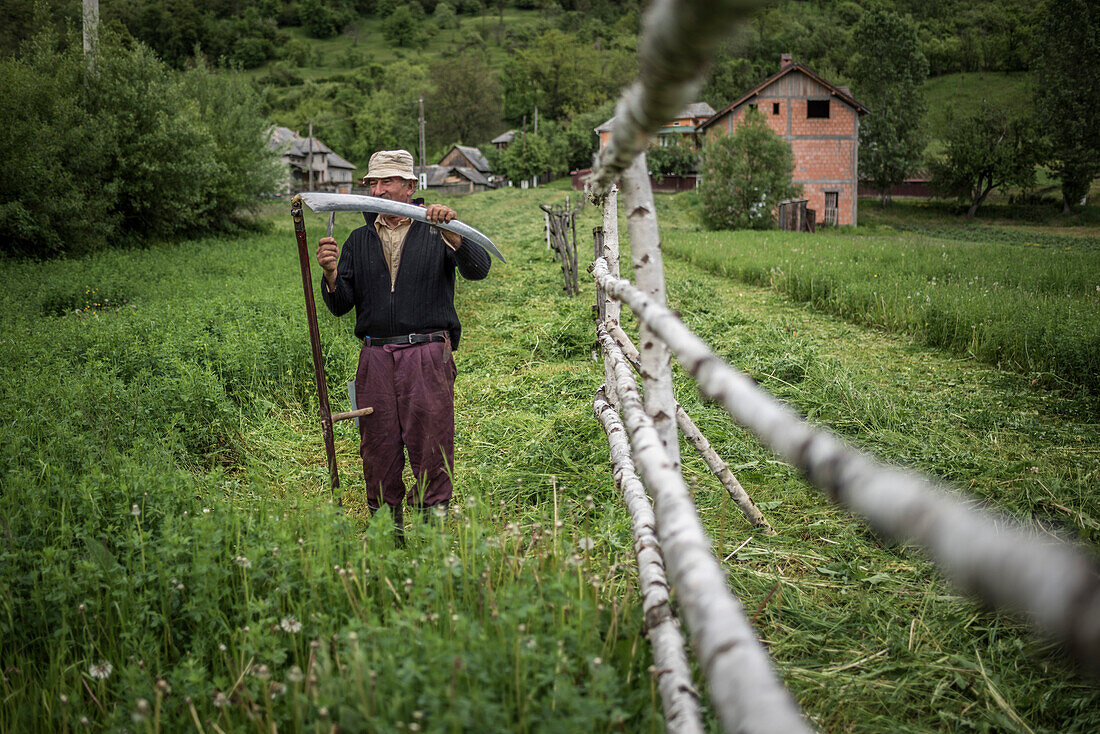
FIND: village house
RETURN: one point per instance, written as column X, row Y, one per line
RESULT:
column 302, row 155
column 462, row 170
column 680, row 130
column 502, row 141
column 820, row 121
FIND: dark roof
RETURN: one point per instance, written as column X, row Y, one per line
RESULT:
column 505, row 137
column 695, row 109
column 472, row 174
column 841, row 92
column 475, row 157
column 335, row 161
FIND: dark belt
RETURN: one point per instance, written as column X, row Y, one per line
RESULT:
column 438, row 336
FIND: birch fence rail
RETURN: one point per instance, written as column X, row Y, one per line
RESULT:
column 1054, row 583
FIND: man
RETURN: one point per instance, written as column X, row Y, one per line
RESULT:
column 399, row 275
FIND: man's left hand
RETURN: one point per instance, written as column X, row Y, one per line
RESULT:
column 439, row 214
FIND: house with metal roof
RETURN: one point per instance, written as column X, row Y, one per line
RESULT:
column 466, row 156
column 303, row 155
column 680, row 130
column 502, row 141
column 821, row 122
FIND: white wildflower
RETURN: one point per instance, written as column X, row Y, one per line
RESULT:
column 101, row 671
column 290, row 624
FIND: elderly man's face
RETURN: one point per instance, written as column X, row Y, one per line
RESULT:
column 393, row 188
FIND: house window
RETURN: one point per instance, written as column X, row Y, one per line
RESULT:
column 752, row 105
column 817, row 108
column 775, row 108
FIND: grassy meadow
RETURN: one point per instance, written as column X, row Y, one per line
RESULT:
column 171, row 557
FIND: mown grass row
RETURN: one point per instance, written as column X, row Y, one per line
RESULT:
column 165, row 495
column 1021, row 306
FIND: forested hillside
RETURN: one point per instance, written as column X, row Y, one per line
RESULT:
column 357, row 68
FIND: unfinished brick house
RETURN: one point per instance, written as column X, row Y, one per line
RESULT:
column 820, row 121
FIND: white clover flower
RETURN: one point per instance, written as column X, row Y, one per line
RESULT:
column 101, row 671
column 290, row 624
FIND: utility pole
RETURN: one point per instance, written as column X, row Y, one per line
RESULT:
column 309, row 160
column 90, row 16
column 422, row 154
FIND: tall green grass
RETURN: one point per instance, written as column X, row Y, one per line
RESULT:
column 1027, row 307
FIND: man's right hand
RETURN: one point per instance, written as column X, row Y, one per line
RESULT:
column 328, row 255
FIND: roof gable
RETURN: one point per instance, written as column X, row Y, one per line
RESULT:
column 841, row 93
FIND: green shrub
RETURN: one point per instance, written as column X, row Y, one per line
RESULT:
column 129, row 150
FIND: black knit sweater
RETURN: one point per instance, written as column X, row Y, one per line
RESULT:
column 422, row 298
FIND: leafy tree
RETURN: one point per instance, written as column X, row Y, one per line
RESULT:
column 445, row 16
column 985, row 151
column 672, row 160
column 562, row 76
column 745, row 175
column 466, row 105
column 1067, row 67
column 403, row 27
column 131, row 151
column 888, row 72
column 320, row 19
column 576, row 144
column 526, row 157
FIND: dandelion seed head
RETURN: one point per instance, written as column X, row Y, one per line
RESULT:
column 586, row 544
column 163, row 686
column 101, row 670
column 64, row 699
column 222, row 647
column 454, row 617
column 295, row 675
column 261, row 671
column 277, row 689
column 243, row 562
column 220, row 700
column 135, row 510
column 290, row 624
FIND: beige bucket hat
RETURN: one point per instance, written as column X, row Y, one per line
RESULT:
column 387, row 163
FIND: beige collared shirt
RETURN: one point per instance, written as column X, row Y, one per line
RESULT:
column 393, row 242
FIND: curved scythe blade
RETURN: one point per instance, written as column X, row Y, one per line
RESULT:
column 319, row 202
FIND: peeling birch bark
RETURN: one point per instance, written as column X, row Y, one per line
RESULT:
column 611, row 308
column 743, row 688
column 677, row 41
column 1056, row 584
column 702, row 445
column 679, row 699
column 649, row 274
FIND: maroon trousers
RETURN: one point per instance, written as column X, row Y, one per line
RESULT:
column 411, row 388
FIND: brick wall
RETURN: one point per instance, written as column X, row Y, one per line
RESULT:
column 824, row 149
